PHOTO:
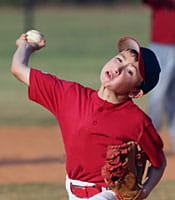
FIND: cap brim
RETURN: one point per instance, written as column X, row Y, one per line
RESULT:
column 130, row 43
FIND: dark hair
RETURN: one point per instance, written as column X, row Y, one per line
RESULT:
column 134, row 53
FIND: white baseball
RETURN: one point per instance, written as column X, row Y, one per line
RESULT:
column 34, row 36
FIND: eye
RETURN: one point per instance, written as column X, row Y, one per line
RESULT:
column 130, row 72
column 119, row 59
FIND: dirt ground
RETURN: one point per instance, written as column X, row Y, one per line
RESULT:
column 36, row 154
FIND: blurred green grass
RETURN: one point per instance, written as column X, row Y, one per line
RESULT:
column 33, row 191
column 53, row 191
column 79, row 42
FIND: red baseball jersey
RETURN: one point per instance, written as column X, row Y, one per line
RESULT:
column 89, row 124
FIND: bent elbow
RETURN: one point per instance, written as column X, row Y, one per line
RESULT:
column 13, row 70
column 16, row 70
column 21, row 73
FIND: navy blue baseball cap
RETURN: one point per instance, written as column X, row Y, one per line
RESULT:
column 148, row 64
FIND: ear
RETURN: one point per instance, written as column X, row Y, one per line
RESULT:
column 136, row 93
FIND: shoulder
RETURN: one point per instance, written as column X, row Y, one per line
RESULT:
column 136, row 113
column 47, row 81
column 47, row 78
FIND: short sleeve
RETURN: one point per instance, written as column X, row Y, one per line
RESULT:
column 152, row 144
column 47, row 90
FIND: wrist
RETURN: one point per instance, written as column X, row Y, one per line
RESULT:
column 145, row 192
column 26, row 47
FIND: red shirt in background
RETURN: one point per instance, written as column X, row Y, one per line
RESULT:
column 162, row 20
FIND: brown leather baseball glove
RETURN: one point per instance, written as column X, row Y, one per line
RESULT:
column 123, row 170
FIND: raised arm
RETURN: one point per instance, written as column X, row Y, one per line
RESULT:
column 19, row 66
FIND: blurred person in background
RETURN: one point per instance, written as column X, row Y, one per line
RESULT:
column 162, row 42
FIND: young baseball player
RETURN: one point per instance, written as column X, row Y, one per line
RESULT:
column 91, row 120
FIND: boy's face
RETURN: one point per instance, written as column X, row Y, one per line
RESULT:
column 121, row 74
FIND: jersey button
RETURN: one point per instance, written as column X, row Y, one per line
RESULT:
column 94, row 123
column 100, row 109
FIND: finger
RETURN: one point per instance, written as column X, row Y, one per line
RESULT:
column 42, row 43
column 24, row 35
column 21, row 39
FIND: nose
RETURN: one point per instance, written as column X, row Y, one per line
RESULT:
column 118, row 70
